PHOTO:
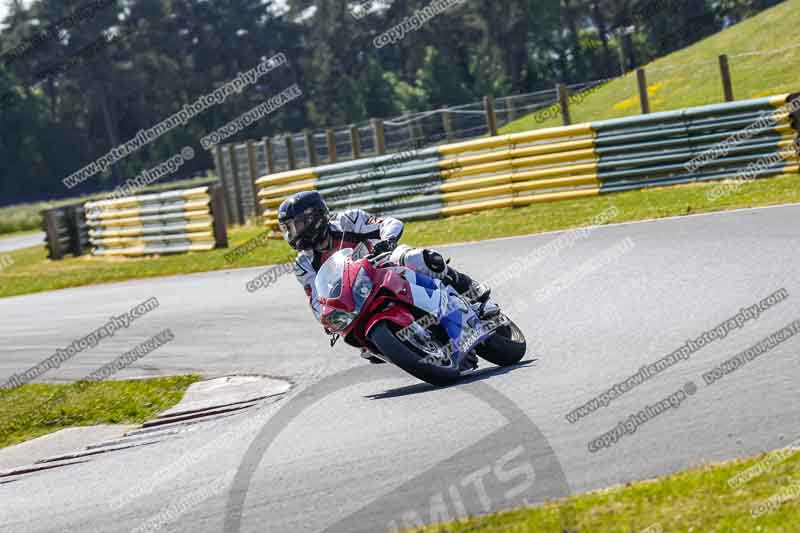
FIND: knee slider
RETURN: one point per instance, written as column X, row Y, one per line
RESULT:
column 435, row 261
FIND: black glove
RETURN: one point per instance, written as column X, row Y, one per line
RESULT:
column 386, row 245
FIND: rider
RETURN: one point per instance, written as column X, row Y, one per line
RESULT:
column 309, row 228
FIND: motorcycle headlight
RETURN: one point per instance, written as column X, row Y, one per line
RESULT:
column 362, row 288
column 339, row 320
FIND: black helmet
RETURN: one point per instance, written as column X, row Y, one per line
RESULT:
column 303, row 219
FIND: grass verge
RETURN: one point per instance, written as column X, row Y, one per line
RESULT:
column 32, row 272
column 35, row 409
column 697, row 500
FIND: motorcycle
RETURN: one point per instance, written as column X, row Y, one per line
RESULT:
column 409, row 319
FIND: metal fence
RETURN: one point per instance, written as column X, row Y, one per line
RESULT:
column 240, row 164
column 746, row 139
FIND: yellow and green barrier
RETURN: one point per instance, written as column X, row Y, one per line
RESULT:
column 179, row 221
column 752, row 138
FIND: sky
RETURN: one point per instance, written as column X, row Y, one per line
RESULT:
column 4, row 8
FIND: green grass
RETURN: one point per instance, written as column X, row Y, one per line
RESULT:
column 32, row 272
column 33, row 410
column 24, row 218
column 20, row 233
column 697, row 500
column 692, row 75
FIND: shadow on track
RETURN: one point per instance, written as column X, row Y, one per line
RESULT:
column 421, row 388
column 519, row 439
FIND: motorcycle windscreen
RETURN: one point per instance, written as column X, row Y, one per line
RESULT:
column 330, row 276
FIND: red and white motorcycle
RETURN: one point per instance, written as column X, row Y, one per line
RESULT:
column 409, row 319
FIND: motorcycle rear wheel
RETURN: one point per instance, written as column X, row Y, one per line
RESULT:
column 407, row 357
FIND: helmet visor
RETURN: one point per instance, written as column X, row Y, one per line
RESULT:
column 305, row 229
column 292, row 229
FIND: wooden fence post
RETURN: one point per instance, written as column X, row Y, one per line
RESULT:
column 727, row 84
column 563, row 103
column 237, row 186
column 311, row 149
column 290, row 152
column 420, row 138
column 355, row 141
column 217, row 195
column 491, row 118
column 270, row 155
column 379, row 136
column 644, row 98
column 330, row 138
column 412, row 136
column 223, row 177
column 252, row 164
column 447, row 122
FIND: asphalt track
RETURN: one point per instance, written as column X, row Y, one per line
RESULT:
column 366, row 448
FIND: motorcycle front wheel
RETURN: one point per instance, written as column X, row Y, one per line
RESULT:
column 410, row 358
column 506, row 347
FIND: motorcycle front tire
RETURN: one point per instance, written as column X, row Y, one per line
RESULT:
column 506, row 347
column 402, row 354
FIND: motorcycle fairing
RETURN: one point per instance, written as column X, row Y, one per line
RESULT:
column 462, row 324
column 427, row 293
column 459, row 320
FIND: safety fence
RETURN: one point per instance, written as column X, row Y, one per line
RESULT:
column 751, row 138
column 239, row 164
column 65, row 231
column 178, row 221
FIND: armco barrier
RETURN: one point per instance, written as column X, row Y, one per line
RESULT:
column 65, row 231
column 169, row 222
column 557, row 163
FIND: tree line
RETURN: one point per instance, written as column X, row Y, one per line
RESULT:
column 79, row 78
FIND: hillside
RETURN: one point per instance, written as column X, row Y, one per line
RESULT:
column 764, row 55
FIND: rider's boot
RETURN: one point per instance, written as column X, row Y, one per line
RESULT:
column 478, row 294
column 475, row 293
